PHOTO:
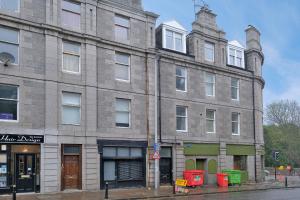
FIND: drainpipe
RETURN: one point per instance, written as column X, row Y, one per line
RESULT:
column 156, row 161
column 254, row 123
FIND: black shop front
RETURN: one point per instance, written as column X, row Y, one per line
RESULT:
column 20, row 162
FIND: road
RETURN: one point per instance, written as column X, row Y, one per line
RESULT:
column 276, row 194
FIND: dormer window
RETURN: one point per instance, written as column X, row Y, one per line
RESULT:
column 236, row 54
column 171, row 35
column 174, row 41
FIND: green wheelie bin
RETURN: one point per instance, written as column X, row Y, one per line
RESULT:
column 234, row 176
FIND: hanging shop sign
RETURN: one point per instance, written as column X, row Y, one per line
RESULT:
column 24, row 139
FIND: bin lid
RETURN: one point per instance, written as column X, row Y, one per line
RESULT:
column 194, row 171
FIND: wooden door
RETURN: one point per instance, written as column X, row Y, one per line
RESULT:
column 71, row 170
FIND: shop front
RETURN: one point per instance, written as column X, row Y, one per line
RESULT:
column 20, row 162
column 122, row 163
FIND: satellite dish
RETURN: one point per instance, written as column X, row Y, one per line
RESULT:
column 6, row 58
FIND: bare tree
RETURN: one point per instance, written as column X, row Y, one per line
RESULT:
column 283, row 112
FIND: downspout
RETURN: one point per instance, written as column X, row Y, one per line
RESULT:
column 147, row 110
column 159, row 98
column 254, row 124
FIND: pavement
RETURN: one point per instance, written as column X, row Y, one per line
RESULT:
column 163, row 192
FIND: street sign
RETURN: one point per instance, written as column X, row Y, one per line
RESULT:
column 181, row 182
column 156, row 155
column 156, row 147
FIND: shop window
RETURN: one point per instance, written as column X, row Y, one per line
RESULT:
column 240, row 162
column 9, row 103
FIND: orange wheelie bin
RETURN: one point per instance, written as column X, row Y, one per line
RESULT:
column 222, row 179
column 194, row 177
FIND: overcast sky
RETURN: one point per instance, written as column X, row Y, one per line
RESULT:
column 278, row 22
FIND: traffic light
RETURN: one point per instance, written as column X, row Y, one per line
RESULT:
column 276, row 155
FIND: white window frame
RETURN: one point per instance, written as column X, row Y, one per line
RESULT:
column 175, row 35
column 73, row 54
column 209, row 49
column 235, row 49
column 129, row 113
column 236, row 88
column 70, row 11
column 213, row 83
column 120, row 25
column 11, row 43
column 18, row 106
column 185, row 79
column 174, row 31
column 208, row 119
column 182, row 116
column 70, row 105
column 16, row 11
column 238, row 122
column 129, row 66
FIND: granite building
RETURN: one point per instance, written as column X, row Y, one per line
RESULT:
column 77, row 96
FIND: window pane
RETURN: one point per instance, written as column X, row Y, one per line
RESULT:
column 71, row 6
column 136, row 152
column 122, row 72
column 8, row 92
column 231, row 60
column 71, row 47
column 210, row 126
column 9, row 35
column 122, row 21
column 8, row 110
column 122, row 58
column 235, row 128
column 239, row 62
column 180, row 83
column 169, row 40
column 209, row 52
column 10, row 48
column 180, row 111
column 209, row 89
column 72, row 149
column 166, row 152
column 181, row 123
column 109, row 151
column 71, row 63
column 71, row 115
column 71, row 99
column 123, row 152
column 109, row 170
column 239, row 54
column 122, row 105
column 180, row 71
column 231, row 52
column 178, row 44
column 235, row 117
column 12, row 5
column 121, row 33
column 234, row 93
column 70, row 19
column 122, row 118
column 210, row 114
column 209, row 78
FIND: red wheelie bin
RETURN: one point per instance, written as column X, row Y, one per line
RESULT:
column 222, row 179
column 194, row 177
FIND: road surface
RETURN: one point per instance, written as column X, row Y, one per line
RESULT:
column 276, row 194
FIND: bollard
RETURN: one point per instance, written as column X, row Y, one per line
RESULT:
column 106, row 190
column 14, row 192
column 286, row 182
column 174, row 190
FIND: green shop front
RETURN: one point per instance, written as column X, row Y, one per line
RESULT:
column 202, row 157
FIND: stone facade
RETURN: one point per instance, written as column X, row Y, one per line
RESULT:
column 41, row 82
